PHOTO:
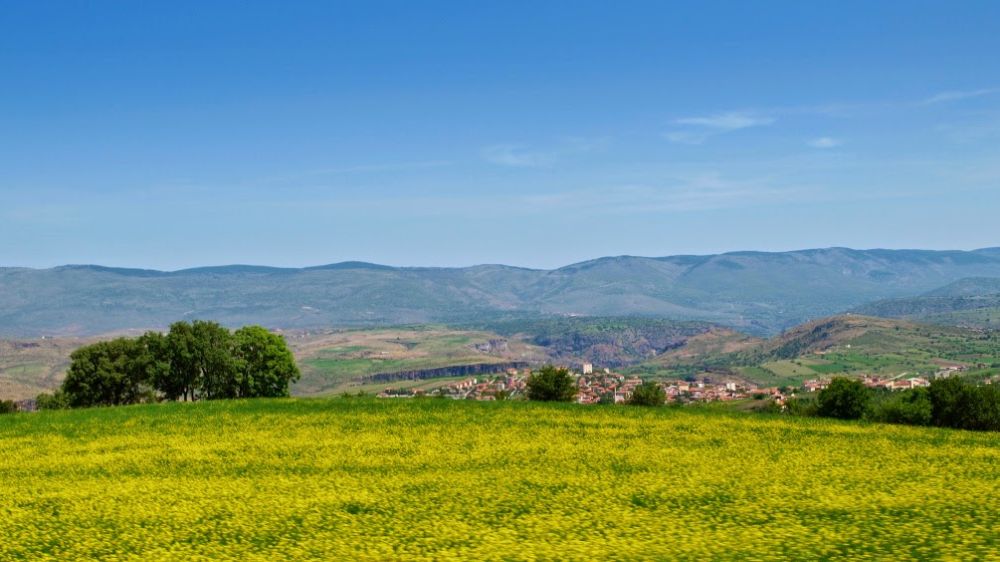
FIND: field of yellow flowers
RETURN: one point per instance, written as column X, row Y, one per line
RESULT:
column 362, row 479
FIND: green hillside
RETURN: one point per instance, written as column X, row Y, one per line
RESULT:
column 336, row 361
column 603, row 341
column 352, row 479
column 842, row 345
column 972, row 302
column 339, row 361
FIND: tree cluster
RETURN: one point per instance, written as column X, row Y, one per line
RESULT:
column 194, row 361
column 950, row 402
column 956, row 403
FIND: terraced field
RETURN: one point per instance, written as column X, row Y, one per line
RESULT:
column 28, row 368
column 333, row 362
column 364, row 479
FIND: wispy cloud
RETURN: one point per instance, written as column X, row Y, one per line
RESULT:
column 824, row 142
column 957, row 95
column 708, row 191
column 517, row 156
column 355, row 169
column 524, row 156
column 696, row 130
column 729, row 121
column 983, row 126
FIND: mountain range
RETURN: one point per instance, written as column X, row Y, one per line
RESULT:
column 756, row 292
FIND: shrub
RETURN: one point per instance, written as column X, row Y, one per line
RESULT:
column 958, row 404
column 7, row 407
column 844, row 398
column 805, row 407
column 648, row 393
column 911, row 407
column 551, row 384
column 55, row 401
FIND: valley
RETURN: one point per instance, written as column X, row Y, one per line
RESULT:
column 352, row 361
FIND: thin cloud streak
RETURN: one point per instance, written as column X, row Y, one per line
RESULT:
column 729, row 121
column 957, row 95
column 824, row 142
column 358, row 169
column 516, row 156
column 697, row 130
column 523, row 156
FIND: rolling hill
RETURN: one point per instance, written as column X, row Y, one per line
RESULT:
column 757, row 292
column 971, row 302
column 840, row 345
column 334, row 361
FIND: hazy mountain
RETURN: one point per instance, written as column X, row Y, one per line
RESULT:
column 969, row 287
column 974, row 302
column 754, row 291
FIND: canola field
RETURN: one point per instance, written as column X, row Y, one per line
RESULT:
column 362, row 479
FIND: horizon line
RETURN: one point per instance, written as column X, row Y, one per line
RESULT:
column 361, row 264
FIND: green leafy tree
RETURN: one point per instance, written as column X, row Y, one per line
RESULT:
column 153, row 355
column 183, row 377
column 551, row 384
column 107, row 373
column 54, row 401
column 7, row 407
column 910, row 407
column 200, row 362
column 801, row 406
column 952, row 402
column 648, row 393
column 843, row 398
column 958, row 404
column 216, row 360
column 266, row 366
column 193, row 361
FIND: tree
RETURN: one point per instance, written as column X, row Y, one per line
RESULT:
column 910, row 407
column 958, row 404
column 216, row 360
column 55, row 401
column 551, row 384
column 154, row 357
column 648, row 393
column 266, row 365
column 183, row 376
column 108, row 373
column 8, row 407
column 201, row 362
column 951, row 402
column 843, row 398
column 194, row 361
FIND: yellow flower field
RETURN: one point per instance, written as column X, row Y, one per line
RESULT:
column 440, row 480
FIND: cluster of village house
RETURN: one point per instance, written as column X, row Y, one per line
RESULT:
column 604, row 386
column 592, row 388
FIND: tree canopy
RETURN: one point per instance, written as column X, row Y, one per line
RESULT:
column 843, row 398
column 648, row 393
column 193, row 361
column 551, row 384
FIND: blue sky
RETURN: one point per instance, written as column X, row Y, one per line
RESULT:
column 527, row 133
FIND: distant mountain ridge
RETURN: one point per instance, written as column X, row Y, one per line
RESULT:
column 758, row 292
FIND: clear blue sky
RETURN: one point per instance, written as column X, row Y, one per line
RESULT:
column 528, row 133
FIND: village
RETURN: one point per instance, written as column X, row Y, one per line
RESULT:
column 604, row 386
